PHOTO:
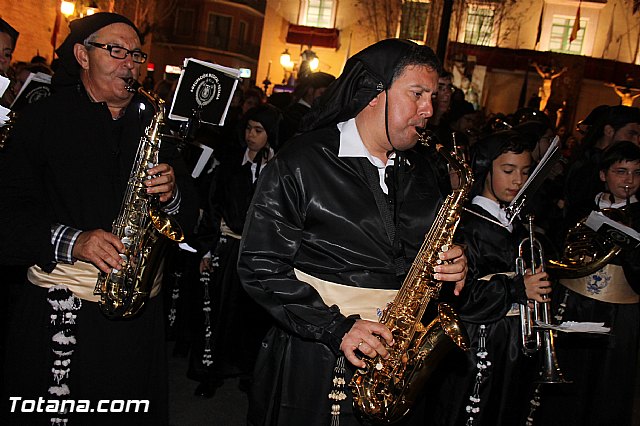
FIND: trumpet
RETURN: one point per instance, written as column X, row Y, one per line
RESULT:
column 533, row 338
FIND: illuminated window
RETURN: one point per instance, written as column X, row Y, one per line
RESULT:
column 561, row 28
column 413, row 21
column 479, row 28
column 318, row 13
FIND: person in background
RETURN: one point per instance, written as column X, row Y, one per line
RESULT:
column 235, row 323
column 445, row 91
column 582, row 183
column 8, row 40
column 307, row 90
column 602, row 367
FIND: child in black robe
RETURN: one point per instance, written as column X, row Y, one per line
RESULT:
column 602, row 368
column 488, row 384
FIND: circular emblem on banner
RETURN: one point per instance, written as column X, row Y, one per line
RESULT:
column 206, row 89
column 37, row 94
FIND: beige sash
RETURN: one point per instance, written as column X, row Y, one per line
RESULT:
column 606, row 285
column 79, row 277
column 366, row 302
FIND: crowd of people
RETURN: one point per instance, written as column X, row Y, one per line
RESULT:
column 299, row 232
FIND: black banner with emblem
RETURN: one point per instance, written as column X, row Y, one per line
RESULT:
column 204, row 91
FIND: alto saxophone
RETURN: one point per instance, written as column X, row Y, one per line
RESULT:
column 385, row 389
column 143, row 228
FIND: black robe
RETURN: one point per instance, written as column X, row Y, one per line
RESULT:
column 315, row 211
column 236, row 322
column 68, row 162
column 491, row 249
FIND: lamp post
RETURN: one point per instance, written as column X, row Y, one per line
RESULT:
column 77, row 9
column 266, row 82
column 310, row 62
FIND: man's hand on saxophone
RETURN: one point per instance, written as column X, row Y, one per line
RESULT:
column 363, row 337
column 454, row 269
column 99, row 247
column 164, row 182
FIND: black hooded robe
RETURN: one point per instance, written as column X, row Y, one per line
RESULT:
column 315, row 212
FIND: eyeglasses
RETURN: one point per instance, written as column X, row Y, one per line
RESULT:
column 120, row 52
column 626, row 172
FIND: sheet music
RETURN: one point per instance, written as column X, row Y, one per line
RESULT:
column 35, row 87
column 4, row 112
column 618, row 233
column 4, row 84
column 577, row 327
column 536, row 178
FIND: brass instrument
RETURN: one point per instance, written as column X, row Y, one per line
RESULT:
column 6, row 129
column 142, row 227
column 585, row 251
column 535, row 340
column 385, row 390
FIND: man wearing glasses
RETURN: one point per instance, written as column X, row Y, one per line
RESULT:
column 62, row 183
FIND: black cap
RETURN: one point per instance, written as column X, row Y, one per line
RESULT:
column 68, row 71
column 6, row 28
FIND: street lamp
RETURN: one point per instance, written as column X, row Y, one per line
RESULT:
column 67, row 8
column 77, row 9
column 310, row 62
column 287, row 65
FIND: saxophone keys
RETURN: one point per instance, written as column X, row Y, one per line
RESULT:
column 445, row 247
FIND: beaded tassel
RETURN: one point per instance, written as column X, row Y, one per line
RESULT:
column 483, row 364
column 63, row 326
column 337, row 393
column 207, row 357
column 175, row 295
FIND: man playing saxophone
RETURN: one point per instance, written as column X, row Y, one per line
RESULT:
column 335, row 224
column 62, row 185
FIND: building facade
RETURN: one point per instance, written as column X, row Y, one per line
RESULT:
column 492, row 46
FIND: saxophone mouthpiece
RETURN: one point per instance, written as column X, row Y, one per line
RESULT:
column 131, row 84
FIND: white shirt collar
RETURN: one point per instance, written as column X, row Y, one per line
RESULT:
column 604, row 202
column 351, row 145
column 494, row 209
column 246, row 158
